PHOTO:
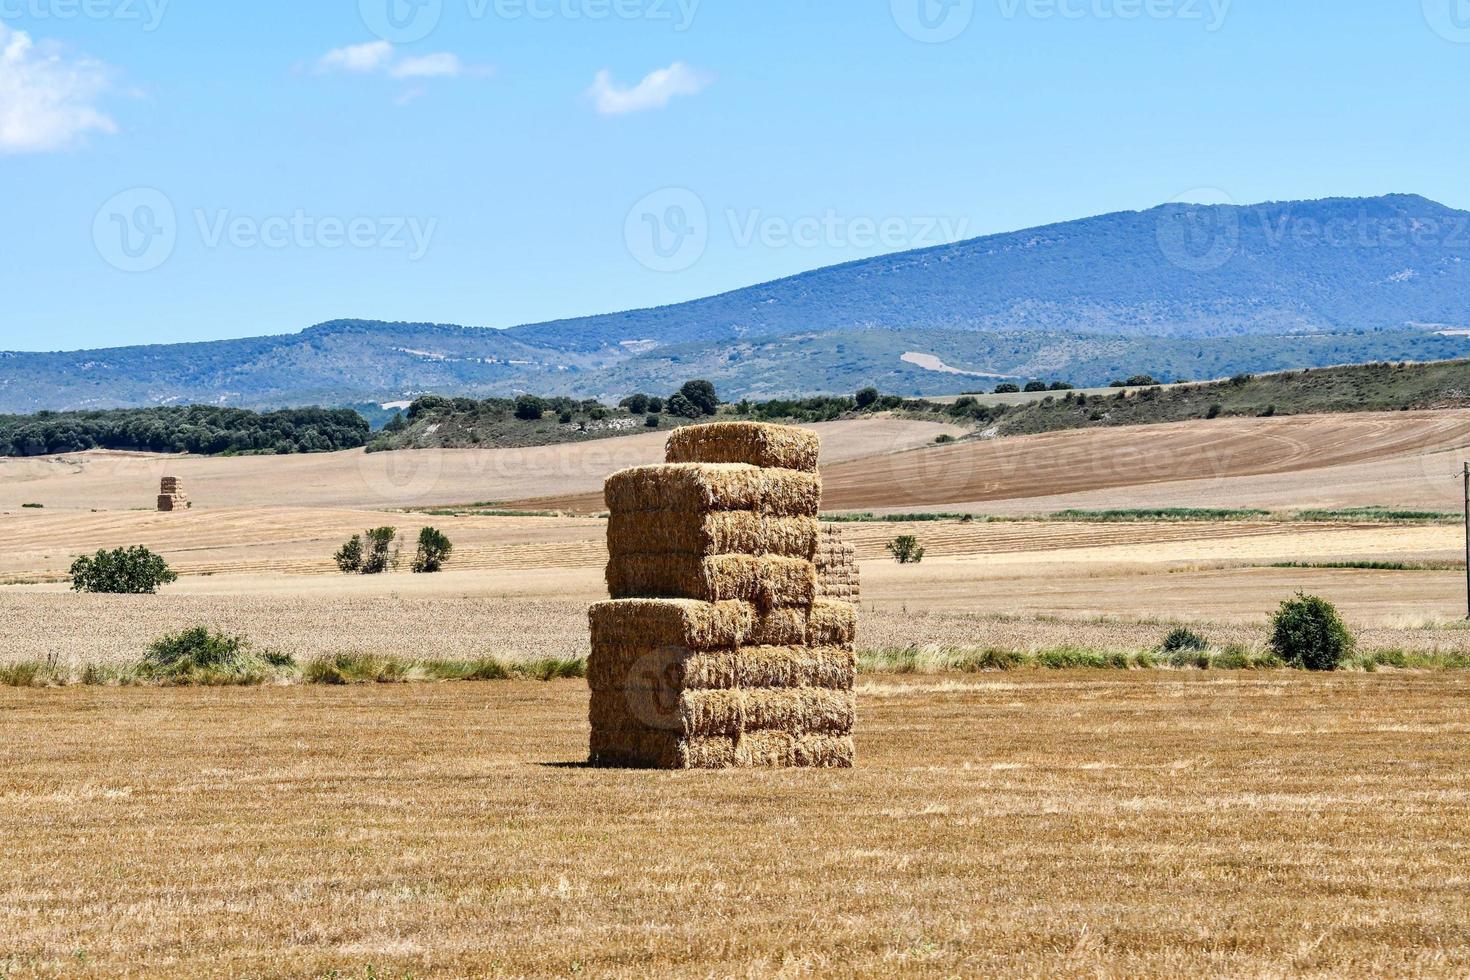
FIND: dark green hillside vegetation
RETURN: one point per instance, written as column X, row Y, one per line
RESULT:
column 1359, row 388
column 433, row 422
column 202, row 429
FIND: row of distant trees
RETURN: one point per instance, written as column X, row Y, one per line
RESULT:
column 203, row 429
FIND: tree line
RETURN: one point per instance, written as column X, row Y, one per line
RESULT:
column 200, row 429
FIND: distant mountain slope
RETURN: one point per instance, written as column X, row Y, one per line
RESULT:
column 1163, row 291
column 1176, row 270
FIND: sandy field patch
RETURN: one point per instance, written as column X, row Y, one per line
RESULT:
column 1141, row 825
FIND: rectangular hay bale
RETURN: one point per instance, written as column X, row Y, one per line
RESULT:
column 767, row 581
column 755, row 443
column 702, row 487
column 707, row 533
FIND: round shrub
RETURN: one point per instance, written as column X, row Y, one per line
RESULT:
column 1182, row 639
column 125, row 571
column 1307, row 632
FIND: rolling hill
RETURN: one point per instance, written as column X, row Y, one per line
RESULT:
column 1177, row 291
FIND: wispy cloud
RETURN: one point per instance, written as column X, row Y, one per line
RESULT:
column 47, row 97
column 382, row 58
column 360, row 58
column 654, row 92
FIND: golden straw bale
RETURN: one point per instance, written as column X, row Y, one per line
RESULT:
column 767, row 581
column 691, row 712
column 755, row 443
column 798, row 710
column 833, row 668
column 704, row 533
column 714, row 486
column 673, row 669
column 831, row 624
column 774, row 750
column 684, row 623
column 695, row 625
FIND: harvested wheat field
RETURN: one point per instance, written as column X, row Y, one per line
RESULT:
column 358, row 480
column 1037, row 824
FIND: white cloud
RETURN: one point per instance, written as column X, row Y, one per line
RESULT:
column 654, row 92
column 443, row 65
column 359, row 58
column 47, row 99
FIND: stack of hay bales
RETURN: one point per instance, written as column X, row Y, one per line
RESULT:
column 716, row 650
column 837, row 568
column 171, row 495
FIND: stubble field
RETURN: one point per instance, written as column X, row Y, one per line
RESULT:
column 1028, row 822
column 1033, row 824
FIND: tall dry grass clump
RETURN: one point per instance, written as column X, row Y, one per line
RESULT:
column 717, row 649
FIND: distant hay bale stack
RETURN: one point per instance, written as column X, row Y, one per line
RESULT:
column 171, row 496
column 837, row 567
column 753, row 443
column 716, row 650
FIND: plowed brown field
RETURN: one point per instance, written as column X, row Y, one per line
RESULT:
column 1399, row 459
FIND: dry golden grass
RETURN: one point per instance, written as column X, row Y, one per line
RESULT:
column 1071, row 824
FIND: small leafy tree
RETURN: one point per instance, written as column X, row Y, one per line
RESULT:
column 380, row 555
column 349, row 556
column 906, row 550
column 529, row 408
column 1035, row 386
column 370, row 553
column 434, row 550
column 867, row 397
column 1307, row 632
column 702, row 395
column 125, row 571
column 1007, row 388
column 635, row 404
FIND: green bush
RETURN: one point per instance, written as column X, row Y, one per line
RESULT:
column 906, row 550
column 125, row 571
column 349, row 556
column 1006, row 388
column 1183, row 639
column 1307, row 632
column 529, row 408
column 434, row 550
column 867, row 397
column 201, row 656
column 651, row 422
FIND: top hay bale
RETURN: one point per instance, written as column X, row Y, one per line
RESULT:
column 705, row 487
column 753, row 443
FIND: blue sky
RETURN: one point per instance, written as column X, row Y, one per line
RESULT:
column 182, row 170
